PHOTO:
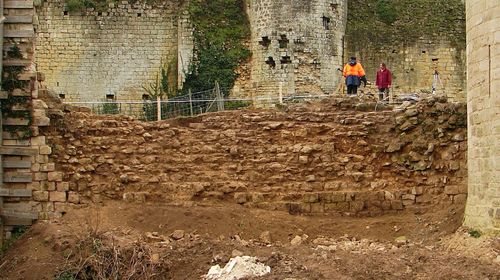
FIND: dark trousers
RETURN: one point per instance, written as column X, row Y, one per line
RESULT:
column 352, row 90
column 382, row 93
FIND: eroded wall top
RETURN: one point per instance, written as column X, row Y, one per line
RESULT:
column 94, row 55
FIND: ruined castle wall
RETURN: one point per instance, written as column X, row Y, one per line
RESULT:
column 88, row 55
column 483, row 61
column 334, row 157
column 413, row 66
column 296, row 46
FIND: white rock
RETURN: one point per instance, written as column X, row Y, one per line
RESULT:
column 238, row 268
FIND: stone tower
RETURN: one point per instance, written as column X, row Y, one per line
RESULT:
column 483, row 97
column 297, row 46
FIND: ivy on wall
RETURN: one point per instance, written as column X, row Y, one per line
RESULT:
column 220, row 31
column 384, row 22
column 11, row 82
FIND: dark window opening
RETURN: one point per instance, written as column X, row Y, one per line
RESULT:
column 65, row 13
column 110, row 97
column 326, row 23
column 270, row 61
column 265, row 41
column 57, row 83
column 435, row 59
column 286, row 59
column 424, row 51
column 145, row 97
column 99, row 14
column 283, row 42
column 334, row 7
column 139, row 15
column 62, row 96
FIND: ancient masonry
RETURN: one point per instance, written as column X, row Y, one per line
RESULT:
column 413, row 66
column 339, row 157
column 297, row 46
column 110, row 55
column 24, row 153
column 483, row 61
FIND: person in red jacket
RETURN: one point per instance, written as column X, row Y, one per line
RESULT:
column 384, row 81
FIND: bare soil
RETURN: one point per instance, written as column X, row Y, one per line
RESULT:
column 332, row 247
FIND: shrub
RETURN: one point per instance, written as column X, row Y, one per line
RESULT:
column 221, row 28
column 386, row 12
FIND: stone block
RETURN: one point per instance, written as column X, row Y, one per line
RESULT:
column 73, row 197
column 42, row 196
column 62, row 186
column 460, row 199
column 397, row 205
column 48, row 167
column 407, row 202
column 41, row 121
column 58, row 196
column 451, row 190
column 55, row 176
column 417, row 190
column 45, row 150
column 241, row 198
column 409, row 197
column 42, row 158
column 356, row 206
column 317, row 208
column 311, row 198
column 40, row 176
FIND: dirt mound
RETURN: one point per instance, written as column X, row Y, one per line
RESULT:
column 187, row 240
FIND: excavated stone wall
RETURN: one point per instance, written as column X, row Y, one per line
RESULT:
column 336, row 156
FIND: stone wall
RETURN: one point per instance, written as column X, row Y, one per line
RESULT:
column 296, row 46
column 483, row 61
column 413, row 66
column 94, row 55
column 414, row 38
column 336, row 157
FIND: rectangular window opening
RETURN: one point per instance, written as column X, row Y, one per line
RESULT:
column 270, row 61
column 326, row 23
column 62, row 96
column 283, row 41
column 265, row 42
column 286, row 59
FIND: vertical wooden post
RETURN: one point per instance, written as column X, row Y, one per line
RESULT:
column 158, row 108
column 280, row 93
column 220, row 100
column 190, row 103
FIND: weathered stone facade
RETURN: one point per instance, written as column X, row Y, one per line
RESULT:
column 94, row 56
column 483, row 61
column 413, row 66
column 296, row 46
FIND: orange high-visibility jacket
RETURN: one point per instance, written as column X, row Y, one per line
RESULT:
column 356, row 70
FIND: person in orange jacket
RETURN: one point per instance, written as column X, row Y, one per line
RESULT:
column 354, row 74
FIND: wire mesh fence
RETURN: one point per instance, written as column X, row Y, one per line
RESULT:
column 191, row 104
